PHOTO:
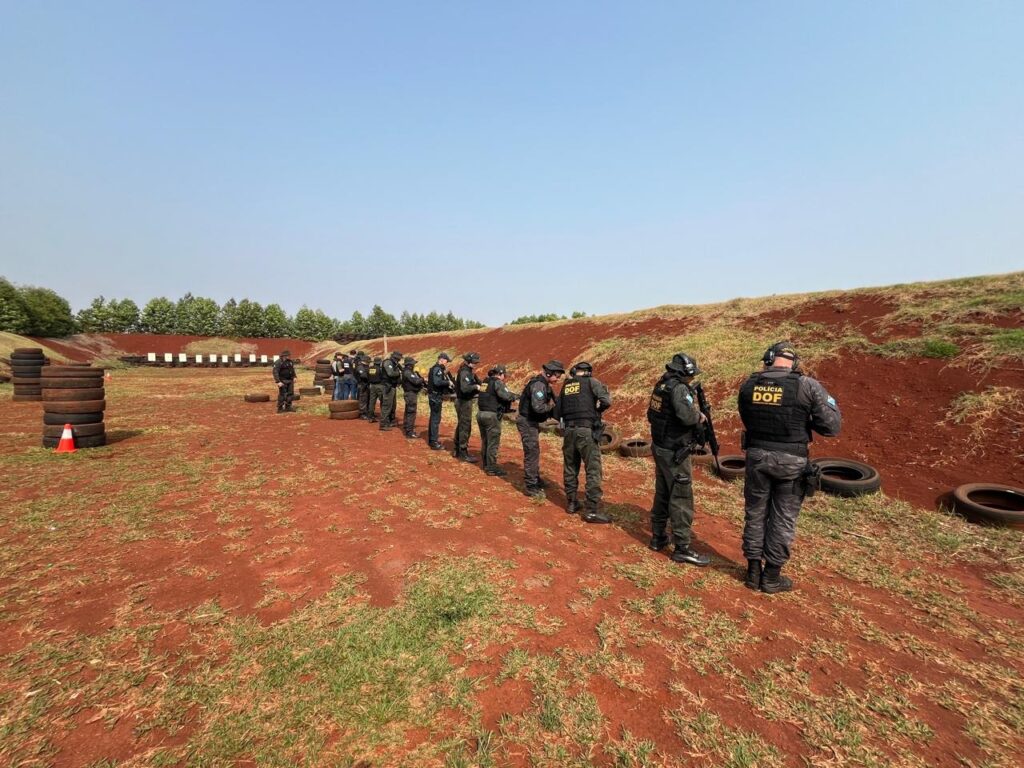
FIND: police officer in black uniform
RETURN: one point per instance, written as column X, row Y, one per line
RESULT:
column 674, row 416
column 467, row 385
column 439, row 384
column 494, row 401
column 779, row 407
column 580, row 404
column 537, row 404
column 284, row 377
column 391, row 378
column 375, row 376
column 412, row 383
column 363, row 385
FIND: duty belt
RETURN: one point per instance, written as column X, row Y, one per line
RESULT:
column 586, row 423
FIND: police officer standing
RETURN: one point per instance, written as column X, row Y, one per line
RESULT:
column 537, row 404
column 391, row 377
column 363, row 385
column 495, row 400
column 582, row 401
column 439, row 384
column 284, row 377
column 348, row 376
column 336, row 373
column 675, row 416
column 375, row 376
column 412, row 383
column 467, row 385
column 779, row 407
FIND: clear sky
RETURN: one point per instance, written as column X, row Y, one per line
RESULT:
column 500, row 159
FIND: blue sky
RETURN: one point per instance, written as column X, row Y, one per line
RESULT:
column 506, row 159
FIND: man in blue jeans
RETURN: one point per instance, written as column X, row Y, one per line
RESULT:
column 336, row 366
column 348, row 376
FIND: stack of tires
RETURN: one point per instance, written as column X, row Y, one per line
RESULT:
column 73, row 394
column 322, row 375
column 343, row 410
column 26, row 365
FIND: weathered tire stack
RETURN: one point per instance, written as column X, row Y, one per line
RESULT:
column 322, row 375
column 26, row 365
column 343, row 410
column 73, row 395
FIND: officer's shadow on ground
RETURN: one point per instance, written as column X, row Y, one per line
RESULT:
column 631, row 519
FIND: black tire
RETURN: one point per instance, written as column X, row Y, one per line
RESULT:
column 257, row 398
column 990, row 504
column 702, row 457
column 60, row 419
column 296, row 398
column 27, row 389
column 28, row 381
column 26, row 371
column 343, row 406
column 26, row 398
column 82, row 371
column 72, row 395
column 28, row 351
column 311, row 391
column 610, row 439
column 79, row 430
column 635, row 448
column 85, row 406
column 731, row 467
column 848, row 478
column 95, row 441
column 324, row 361
column 64, row 383
column 345, row 415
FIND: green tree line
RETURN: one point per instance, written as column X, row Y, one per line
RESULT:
column 32, row 311
column 545, row 318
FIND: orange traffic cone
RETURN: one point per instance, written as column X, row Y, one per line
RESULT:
column 67, row 441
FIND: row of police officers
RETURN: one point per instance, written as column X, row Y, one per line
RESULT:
column 779, row 405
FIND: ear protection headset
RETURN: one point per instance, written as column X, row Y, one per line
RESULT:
column 780, row 349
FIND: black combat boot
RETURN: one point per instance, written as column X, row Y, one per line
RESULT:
column 467, row 458
column 753, row 580
column 572, row 506
column 594, row 515
column 772, row 581
column 436, row 447
column 659, row 540
column 691, row 556
column 495, row 472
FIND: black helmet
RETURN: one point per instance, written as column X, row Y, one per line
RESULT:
column 396, row 355
column 684, row 364
column 498, row 370
column 780, row 349
column 553, row 366
column 409, row 361
column 471, row 357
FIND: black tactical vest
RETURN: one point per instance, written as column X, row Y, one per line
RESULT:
column 772, row 417
column 526, row 401
column 287, row 370
column 392, row 373
column 437, row 380
column 465, row 369
column 488, row 399
column 362, row 372
column 667, row 429
column 373, row 373
column 412, row 382
column 578, row 403
column 346, row 366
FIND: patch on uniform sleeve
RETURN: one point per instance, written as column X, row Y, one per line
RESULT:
column 540, row 394
column 832, row 401
column 689, row 399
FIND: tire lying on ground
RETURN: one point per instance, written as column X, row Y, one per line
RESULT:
column 80, row 371
column 343, row 406
column 95, row 441
column 635, row 448
column 313, row 391
column 730, row 467
column 72, row 394
column 257, row 398
column 702, row 456
column 60, row 419
column 610, row 439
column 67, row 383
column 848, row 478
column 990, row 504
column 78, row 430
column 345, row 415
column 83, row 406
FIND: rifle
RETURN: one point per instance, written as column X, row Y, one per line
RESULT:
column 709, row 426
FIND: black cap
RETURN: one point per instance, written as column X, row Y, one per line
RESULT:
column 684, row 364
column 445, row 356
column 409, row 360
column 498, row 370
column 471, row 357
column 554, row 366
column 376, row 359
column 396, row 355
column 285, row 353
column 583, row 365
column 784, row 349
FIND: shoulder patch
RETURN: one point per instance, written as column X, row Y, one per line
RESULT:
column 832, row 401
column 689, row 399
